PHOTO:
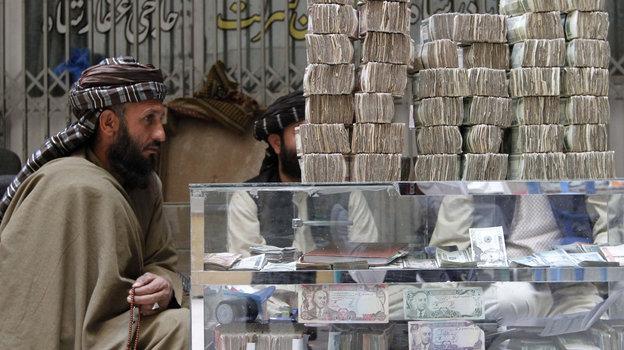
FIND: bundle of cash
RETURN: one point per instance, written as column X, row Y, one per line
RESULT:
column 590, row 165
column 384, row 16
column 438, row 54
column 437, row 27
column 460, row 335
column 374, row 108
column 487, row 82
column 536, row 110
column 252, row 263
column 479, row 28
column 586, row 5
column 586, row 138
column 588, row 53
column 386, row 47
column 534, row 82
column 488, row 246
column 375, row 168
column 533, row 25
column 584, row 81
column 415, row 64
column 378, row 138
column 329, row 109
column 536, row 139
column 329, row 49
column 437, row 167
column 439, row 111
column 275, row 254
column 332, row 19
column 220, row 261
column 587, row 25
column 383, row 77
column 343, row 303
column 442, row 82
column 350, row 337
column 537, row 166
column 323, row 79
column 439, row 140
column 488, row 110
column 485, row 167
column 322, row 138
column 240, row 335
column 459, row 258
column 585, row 110
column 519, row 7
column 486, row 55
column 323, row 168
column 339, row 2
column 539, row 53
column 483, row 139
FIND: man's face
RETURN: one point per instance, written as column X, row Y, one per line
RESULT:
column 137, row 142
column 420, row 301
column 320, row 299
column 425, row 335
column 288, row 152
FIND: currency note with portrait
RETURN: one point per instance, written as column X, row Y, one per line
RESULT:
column 464, row 303
column 488, row 247
column 343, row 303
column 434, row 335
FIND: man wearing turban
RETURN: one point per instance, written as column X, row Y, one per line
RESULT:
column 82, row 225
column 267, row 217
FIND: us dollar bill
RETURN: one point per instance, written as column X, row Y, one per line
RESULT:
column 464, row 303
column 343, row 303
column 459, row 258
column 488, row 247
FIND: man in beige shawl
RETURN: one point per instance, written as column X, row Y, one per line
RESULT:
column 82, row 225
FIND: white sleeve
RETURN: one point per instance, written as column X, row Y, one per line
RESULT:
column 243, row 227
column 363, row 228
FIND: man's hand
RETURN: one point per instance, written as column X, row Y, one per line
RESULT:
column 151, row 290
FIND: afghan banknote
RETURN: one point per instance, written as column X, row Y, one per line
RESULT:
column 585, row 110
column 479, row 28
column 384, row 16
column 590, row 165
column 329, row 48
column 519, row 7
column 584, row 81
column 587, row 25
column 376, row 44
column 343, row 303
column 488, row 246
column 329, row 109
column 443, row 304
column 322, row 138
column 332, row 19
column 486, row 55
column 588, row 53
column 437, row 27
column 457, row 335
column 532, row 25
column 539, row 53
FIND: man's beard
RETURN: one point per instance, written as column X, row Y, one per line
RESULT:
column 290, row 163
column 127, row 162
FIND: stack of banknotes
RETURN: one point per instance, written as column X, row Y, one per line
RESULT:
column 439, row 140
column 439, row 111
column 375, row 48
column 357, row 337
column 519, row 7
column 332, row 19
column 584, row 81
column 544, row 138
column 590, row 165
column 329, row 109
column 485, row 167
column 329, row 49
column 485, row 55
column 588, row 53
column 587, row 25
column 438, row 167
column 585, row 110
column 539, row 53
column 382, row 77
column 378, row 138
column 437, row 27
column 586, row 138
column 374, row 107
column 534, row 110
column 535, row 82
column 488, row 110
column 437, row 54
column 534, row 25
column 537, row 166
column 322, row 138
column 260, row 336
column 487, row 82
column 442, row 82
column 483, row 138
column 325, row 79
column 479, row 28
column 323, row 168
column 384, row 16
column 375, row 167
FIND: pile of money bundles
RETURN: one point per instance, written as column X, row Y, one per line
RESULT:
column 586, row 138
column 543, row 138
column 438, row 167
column 378, row 138
column 590, row 165
column 439, row 111
column 437, row 54
column 485, row 167
column 584, row 81
column 374, row 108
column 535, row 110
column 328, row 85
column 587, row 25
column 485, row 55
column 479, row 28
column 534, row 25
column 487, row 82
column 585, row 110
column 442, row 82
column 588, row 53
column 384, row 17
column 534, row 82
column 537, row 166
column 439, row 140
column 539, row 53
column 488, row 110
column 437, row 27
column 519, row 7
column 375, row 167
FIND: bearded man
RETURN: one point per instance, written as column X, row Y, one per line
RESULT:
column 82, row 225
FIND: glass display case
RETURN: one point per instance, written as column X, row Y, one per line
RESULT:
column 431, row 265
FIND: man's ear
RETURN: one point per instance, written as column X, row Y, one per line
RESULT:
column 276, row 143
column 108, row 123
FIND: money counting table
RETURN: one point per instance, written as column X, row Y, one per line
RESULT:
column 408, row 265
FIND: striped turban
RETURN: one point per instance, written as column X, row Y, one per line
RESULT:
column 285, row 111
column 113, row 81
